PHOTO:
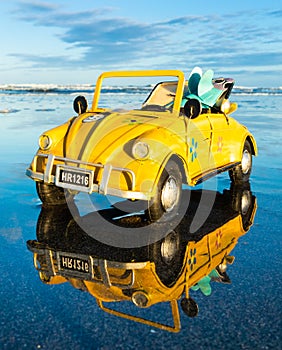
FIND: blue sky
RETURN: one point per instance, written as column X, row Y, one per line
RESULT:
column 64, row 42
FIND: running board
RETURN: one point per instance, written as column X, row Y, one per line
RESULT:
column 215, row 172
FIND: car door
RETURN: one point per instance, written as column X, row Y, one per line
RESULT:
column 199, row 143
column 220, row 140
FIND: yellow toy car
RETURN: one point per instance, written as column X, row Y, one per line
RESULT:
column 183, row 133
column 163, row 272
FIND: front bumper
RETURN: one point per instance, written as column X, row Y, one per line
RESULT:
column 70, row 265
column 103, row 187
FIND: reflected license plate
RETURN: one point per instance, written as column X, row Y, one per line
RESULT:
column 73, row 265
column 74, row 178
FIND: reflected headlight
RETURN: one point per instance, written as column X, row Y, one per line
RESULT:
column 140, row 150
column 44, row 142
column 140, row 299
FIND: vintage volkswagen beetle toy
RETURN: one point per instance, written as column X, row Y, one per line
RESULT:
column 182, row 133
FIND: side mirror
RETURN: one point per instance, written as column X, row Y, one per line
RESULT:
column 192, row 108
column 80, row 104
column 189, row 307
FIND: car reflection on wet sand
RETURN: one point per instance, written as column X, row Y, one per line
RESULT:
column 164, row 271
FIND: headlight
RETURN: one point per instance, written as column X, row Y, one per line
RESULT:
column 225, row 107
column 140, row 299
column 44, row 142
column 140, row 150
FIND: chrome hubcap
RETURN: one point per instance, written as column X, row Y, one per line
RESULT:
column 169, row 247
column 245, row 203
column 246, row 161
column 170, row 194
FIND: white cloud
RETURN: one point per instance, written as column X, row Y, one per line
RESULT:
column 111, row 42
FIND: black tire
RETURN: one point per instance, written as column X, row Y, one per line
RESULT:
column 241, row 173
column 168, row 256
column 166, row 202
column 243, row 202
column 52, row 224
column 50, row 194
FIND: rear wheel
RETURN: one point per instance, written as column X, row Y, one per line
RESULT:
column 243, row 202
column 167, row 199
column 242, row 172
column 50, row 194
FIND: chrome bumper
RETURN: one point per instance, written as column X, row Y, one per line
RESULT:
column 102, row 188
column 53, row 266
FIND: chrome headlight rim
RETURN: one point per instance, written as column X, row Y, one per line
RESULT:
column 140, row 150
column 44, row 142
column 225, row 106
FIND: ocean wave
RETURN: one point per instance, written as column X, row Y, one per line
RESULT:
column 69, row 89
column 130, row 89
column 8, row 110
column 44, row 88
column 257, row 90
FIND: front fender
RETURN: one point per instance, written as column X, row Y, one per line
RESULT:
column 149, row 170
column 164, row 144
column 57, row 136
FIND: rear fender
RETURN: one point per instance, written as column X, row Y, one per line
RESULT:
column 253, row 143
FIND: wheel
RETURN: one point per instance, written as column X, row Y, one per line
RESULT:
column 241, row 196
column 243, row 202
column 50, row 194
column 52, row 223
column 166, row 201
column 168, row 255
column 242, row 172
column 170, row 247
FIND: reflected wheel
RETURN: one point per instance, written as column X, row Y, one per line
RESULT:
column 168, row 256
column 50, row 194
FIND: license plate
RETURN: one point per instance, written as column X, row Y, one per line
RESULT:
column 73, row 265
column 74, row 178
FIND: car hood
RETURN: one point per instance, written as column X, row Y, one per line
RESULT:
column 94, row 137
